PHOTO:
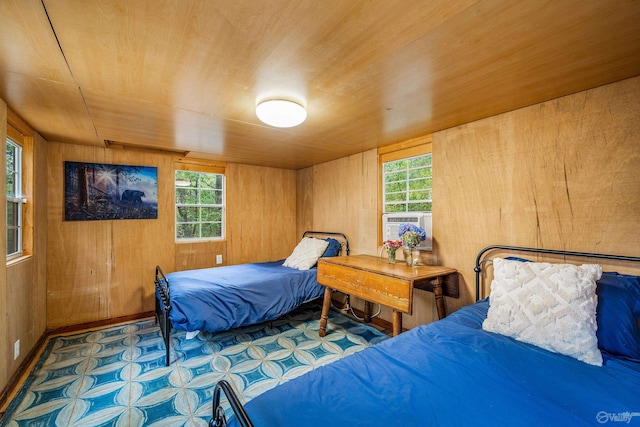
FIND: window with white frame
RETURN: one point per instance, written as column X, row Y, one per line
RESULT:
column 199, row 205
column 14, row 199
column 407, row 184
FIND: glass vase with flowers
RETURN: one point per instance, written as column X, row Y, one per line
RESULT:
column 392, row 246
column 411, row 236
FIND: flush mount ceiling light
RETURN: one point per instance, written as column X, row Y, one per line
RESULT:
column 281, row 113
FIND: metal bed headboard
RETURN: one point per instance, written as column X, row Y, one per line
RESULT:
column 480, row 261
column 345, row 241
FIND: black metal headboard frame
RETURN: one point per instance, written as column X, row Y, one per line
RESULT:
column 480, row 262
column 345, row 241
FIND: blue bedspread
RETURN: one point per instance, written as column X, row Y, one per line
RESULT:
column 217, row 299
column 452, row 373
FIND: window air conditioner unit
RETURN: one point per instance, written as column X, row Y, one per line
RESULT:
column 391, row 222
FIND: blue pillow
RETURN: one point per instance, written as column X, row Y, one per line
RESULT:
column 617, row 315
column 333, row 249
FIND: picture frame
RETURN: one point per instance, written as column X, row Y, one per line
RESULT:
column 98, row 191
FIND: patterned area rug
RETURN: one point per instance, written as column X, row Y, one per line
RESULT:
column 115, row 376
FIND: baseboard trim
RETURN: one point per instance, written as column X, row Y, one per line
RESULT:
column 98, row 324
column 14, row 380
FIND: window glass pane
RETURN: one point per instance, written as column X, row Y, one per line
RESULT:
column 419, row 161
column 186, row 179
column 407, row 184
column 420, row 173
column 199, row 205
column 208, row 181
column 208, row 214
column 11, row 156
column 211, row 229
column 188, row 231
column 419, row 207
column 207, row 197
column 395, row 197
column 13, row 190
column 395, row 207
column 395, row 166
column 395, row 187
column 186, row 196
column 420, row 195
column 11, row 214
column 12, row 241
column 395, row 177
column 420, row 184
column 187, row 214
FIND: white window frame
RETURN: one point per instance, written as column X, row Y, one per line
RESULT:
column 16, row 199
column 199, row 205
column 406, row 201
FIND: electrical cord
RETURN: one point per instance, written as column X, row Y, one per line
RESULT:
column 349, row 309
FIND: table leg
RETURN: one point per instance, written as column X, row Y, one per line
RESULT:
column 396, row 317
column 326, row 305
column 367, row 311
column 437, row 292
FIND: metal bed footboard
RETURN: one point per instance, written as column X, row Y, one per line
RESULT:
column 218, row 418
column 163, row 308
column 480, row 261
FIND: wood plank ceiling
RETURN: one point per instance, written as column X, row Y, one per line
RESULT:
column 186, row 74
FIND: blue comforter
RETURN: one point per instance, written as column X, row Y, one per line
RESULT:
column 217, row 299
column 452, row 373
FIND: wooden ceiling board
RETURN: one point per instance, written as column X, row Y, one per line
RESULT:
column 511, row 55
column 55, row 109
column 27, row 44
column 154, row 125
column 186, row 74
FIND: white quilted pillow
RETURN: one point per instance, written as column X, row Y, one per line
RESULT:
column 306, row 254
column 552, row 306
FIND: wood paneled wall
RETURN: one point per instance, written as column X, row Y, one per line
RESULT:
column 261, row 213
column 5, row 356
column 23, row 281
column 104, row 269
column 342, row 196
column 563, row 174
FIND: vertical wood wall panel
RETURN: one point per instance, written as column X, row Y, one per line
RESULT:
column 304, row 200
column 561, row 175
column 6, row 355
column 194, row 255
column 40, row 235
column 261, row 213
column 104, row 269
column 26, row 279
column 23, row 282
column 345, row 199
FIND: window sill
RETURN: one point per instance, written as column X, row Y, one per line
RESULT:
column 18, row 260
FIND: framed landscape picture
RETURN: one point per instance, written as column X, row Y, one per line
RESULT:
column 96, row 191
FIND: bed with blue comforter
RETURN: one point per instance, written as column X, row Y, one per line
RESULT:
column 221, row 298
column 455, row 373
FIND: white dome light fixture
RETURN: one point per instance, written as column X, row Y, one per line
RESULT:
column 281, row 113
